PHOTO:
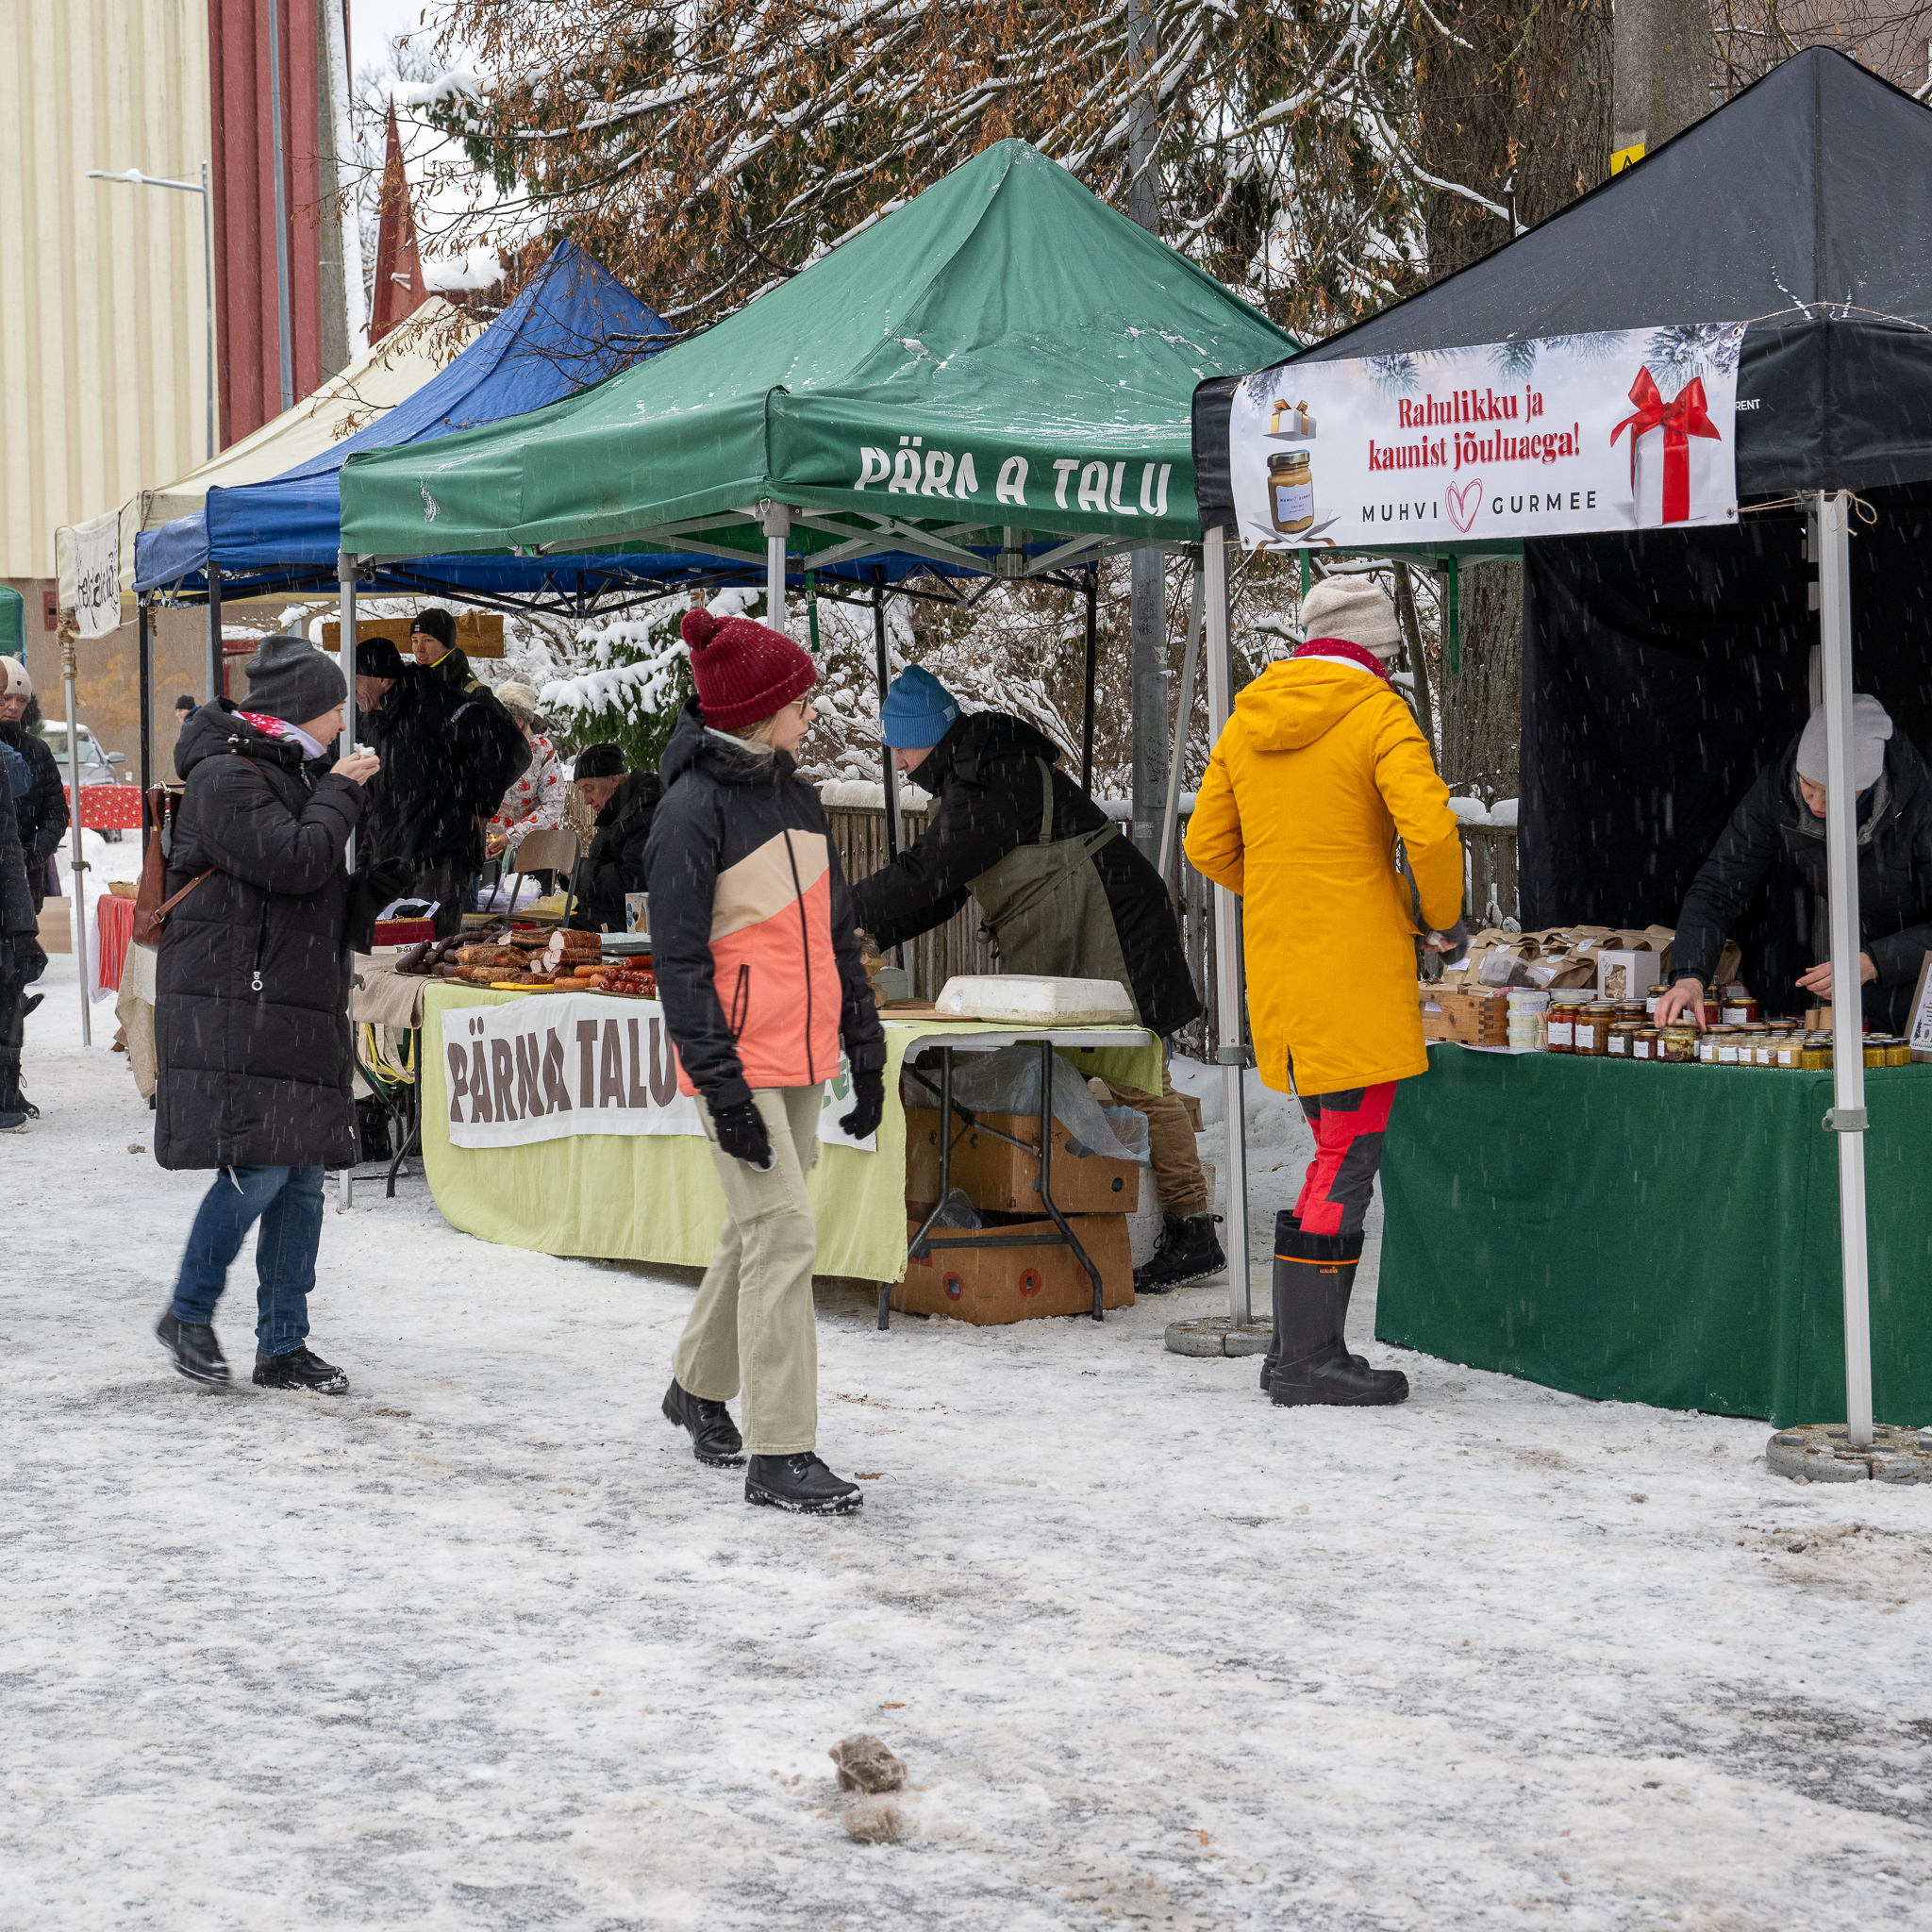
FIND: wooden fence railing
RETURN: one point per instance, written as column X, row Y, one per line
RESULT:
column 859, row 833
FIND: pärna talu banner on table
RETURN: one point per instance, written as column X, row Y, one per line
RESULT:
column 542, row 1067
column 1625, row 430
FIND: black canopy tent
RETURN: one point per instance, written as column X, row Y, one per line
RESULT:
column 1660, row 669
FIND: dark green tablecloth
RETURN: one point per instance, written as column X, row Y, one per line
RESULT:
column 1665, row 1234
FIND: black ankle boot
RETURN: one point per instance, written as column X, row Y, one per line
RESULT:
column 196, row 1352
column 1287, row 1223
column 714, row 1437
column 1314, row 1274
column 301, row 1368
column 1188, row 1251
column 800, row 1483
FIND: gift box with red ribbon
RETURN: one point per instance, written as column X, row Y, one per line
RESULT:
column 1678, row 468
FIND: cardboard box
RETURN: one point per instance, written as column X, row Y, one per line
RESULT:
column 1627, row 974
column 1005, row 1178
column 1479, row 1017
column 1016, row 1283
column 1918, row 1028
column 57, row 926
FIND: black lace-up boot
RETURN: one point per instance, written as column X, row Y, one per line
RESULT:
column 714, row 1437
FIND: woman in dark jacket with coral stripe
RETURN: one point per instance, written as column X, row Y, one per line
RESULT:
column 252, row 1003
column 756, row 958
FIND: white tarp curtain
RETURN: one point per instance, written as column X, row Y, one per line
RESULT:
column 373, row 384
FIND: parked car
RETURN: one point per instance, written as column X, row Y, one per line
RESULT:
column 97, row 766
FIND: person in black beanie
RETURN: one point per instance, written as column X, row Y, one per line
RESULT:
column 448, row 757
column 623, row 801
column 43, row 813
column 252, row 1003
column 433, row 644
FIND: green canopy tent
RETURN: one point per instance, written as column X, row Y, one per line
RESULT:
column 996, row 376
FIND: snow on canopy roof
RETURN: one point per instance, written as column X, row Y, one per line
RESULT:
column 1003, row 350
column 1804, row 205
column 569, row 328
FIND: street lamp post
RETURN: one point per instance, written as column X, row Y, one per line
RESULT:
column 134, row 179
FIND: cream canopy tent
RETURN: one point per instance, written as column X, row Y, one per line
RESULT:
column 372, row 385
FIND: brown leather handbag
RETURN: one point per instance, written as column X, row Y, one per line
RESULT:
column 151, row 909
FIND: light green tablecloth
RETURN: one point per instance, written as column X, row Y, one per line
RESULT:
column 655, row 1197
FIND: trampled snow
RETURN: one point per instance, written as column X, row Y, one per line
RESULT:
column 479, row 1646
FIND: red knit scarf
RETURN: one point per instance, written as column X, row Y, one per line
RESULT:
column 1341, row 647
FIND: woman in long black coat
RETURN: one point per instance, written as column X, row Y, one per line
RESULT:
column 251, row 1003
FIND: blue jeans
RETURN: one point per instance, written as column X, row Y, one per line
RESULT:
column 288, row 1202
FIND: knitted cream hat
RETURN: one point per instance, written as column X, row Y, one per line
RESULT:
column 1356, row 610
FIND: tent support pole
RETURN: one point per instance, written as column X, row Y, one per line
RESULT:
column 345, row 574
column 1830, row 547
column 1229, row 1051
column 895, row 829
column 144, row 654
column 777, row 538
column 1092, row 648
column 1170, row 816
column 76, row 912
column 1150, row 694
column 214, row 632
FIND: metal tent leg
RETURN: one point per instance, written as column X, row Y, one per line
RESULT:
column 1229, row 976
column 1093, row 665
column 1830, row 518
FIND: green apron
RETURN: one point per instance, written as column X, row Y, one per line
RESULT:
column 1044, row 909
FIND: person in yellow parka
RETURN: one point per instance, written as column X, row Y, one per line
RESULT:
column 1319, row 772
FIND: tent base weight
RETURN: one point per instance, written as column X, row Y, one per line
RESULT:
column 1823, row 1453
column 1217, row 1334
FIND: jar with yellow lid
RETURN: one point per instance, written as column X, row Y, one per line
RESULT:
column 1291, row 490
column 1563, row 1010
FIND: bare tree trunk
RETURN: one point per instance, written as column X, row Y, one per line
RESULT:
column 1522, row 113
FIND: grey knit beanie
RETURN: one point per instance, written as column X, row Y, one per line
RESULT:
column 291, row 680
column 1870, row 727
column 1356, row 610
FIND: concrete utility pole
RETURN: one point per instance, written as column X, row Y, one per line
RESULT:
column 1149, row 605
column 1661, row 72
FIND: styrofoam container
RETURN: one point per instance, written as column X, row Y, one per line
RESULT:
column 1036, row 999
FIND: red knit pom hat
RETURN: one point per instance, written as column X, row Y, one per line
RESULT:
column 744, row 672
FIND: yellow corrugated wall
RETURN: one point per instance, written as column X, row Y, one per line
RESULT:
column 102, row 317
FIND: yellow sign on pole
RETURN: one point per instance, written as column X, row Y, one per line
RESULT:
column 1625, row 155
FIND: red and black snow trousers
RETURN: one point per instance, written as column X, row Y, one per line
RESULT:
column 1349, row 1129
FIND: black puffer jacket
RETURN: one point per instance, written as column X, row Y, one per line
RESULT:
column 1773, row 832
column 615, row 863
column 18, row 920
column 252, row 981
column 986, row 802
column 43, row 813
column 448, row 755
column 749, row 908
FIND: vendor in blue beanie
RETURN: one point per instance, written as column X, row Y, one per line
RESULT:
column 1062, row 892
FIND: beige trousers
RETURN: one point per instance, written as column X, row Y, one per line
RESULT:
column 1170, row 1150
column 752, row 1321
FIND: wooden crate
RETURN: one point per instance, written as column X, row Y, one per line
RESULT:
column 1479, row 1018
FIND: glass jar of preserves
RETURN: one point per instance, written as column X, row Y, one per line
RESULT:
column 1621, row 1041
column 1593, row 1034
column 1651, row 995
column 1756, row 1043
column 1707, row 1046
column 1738, row 1008
column 1899, row 1053
column 1647, row 1044
column 1874, row 1049
column 1727, row 1045
column 1563, row 1011
column 1680, row 1042
column 1787, row 1048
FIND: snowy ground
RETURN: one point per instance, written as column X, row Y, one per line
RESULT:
column 481, row 1646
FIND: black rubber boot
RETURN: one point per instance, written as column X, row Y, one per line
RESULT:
column 714, row 1437
column 1188, row 1251
column 11, row 1099
column 1314, row 1274
column 800, row 1483
column 197, row 1354
column 1287, row 1223
column 300, row 1369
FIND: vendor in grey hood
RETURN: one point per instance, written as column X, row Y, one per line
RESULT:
column 1782, row 818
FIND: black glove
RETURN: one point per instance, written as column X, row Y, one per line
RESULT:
column 869, row 1105
column 742, row 1134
